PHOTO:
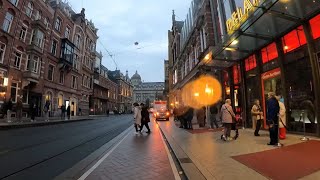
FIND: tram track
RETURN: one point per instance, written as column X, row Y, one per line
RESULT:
column 87, row 143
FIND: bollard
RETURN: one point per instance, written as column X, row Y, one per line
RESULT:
column 304, row 127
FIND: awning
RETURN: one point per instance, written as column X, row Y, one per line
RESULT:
column 270, row 20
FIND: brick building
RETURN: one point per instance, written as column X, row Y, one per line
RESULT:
column 47, row 52
column 190, row 44
column 105, row 91
column 125, row 91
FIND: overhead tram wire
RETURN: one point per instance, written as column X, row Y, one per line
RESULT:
column 110, row 55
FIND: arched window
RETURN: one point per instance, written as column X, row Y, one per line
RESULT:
column 8, row 21
column 3, row 45
column 77, row 40
column 60, row 100
column 29, row 9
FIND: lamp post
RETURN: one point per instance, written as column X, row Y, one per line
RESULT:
column 208, row 91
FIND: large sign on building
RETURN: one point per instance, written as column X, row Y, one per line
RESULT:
column 241, row 14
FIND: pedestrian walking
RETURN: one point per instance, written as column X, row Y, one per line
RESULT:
column 272, row 118
column 213, row 116
column 201, row 115
column 227, row 116
column 63, row 112
column 108, row 112
column 68, row 112
column 46, row 110
column 137, row 117
column 9, row 110
column 145, row 117
column 19, row 107
column 282, row 118
column 257, row 116
column 80, row 111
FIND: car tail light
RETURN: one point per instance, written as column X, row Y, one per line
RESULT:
column 167, row 113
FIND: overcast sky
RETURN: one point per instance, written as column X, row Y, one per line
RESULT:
column 121, row 23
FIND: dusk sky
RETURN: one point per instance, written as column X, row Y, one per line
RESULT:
column 121, row 23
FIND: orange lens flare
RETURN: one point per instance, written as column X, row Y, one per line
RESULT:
column 204, row 91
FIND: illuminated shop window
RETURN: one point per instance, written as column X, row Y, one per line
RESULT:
column 250, row 63
column 315, row 26
column 236, row 74
column 269, row 53
column 293, row 40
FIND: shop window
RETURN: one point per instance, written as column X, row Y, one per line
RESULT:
column 236, row 74
column 293, row 40
column 14, row 91
column 315, row 26
column 269, row 53
column 250, row 63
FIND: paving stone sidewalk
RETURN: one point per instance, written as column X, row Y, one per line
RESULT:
column 213, row 157
column 142, row 157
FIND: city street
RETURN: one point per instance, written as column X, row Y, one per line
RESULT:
column 47, row 151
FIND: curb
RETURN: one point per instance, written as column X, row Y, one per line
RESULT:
column 40, row 123
column 188, row 167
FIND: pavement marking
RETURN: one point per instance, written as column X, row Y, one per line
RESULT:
column 173, row 167
column 86, row 174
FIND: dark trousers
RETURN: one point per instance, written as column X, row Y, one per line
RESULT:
column 273, row 132
column 227, row 129
column 189, row 123
column 145, row 124
column 136, row 127
column 181, row 122
column 213, row 120
column 258, row 126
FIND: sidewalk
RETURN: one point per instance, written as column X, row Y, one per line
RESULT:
column 136, row 156
column 40, row 121
column 220, row 160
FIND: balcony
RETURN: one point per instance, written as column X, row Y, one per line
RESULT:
column 34, row 48
column 31, row 76
column 39, row 24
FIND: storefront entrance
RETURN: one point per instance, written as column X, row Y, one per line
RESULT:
column 271, row 82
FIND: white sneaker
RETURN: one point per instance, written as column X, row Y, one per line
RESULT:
column 136, row 133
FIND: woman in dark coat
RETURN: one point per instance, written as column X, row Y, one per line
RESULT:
column 145, row 117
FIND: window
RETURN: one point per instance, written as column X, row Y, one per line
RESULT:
column 2, row 51
column 50, row 72
column 14, row 2
column 293, row 40
column 38, row 38
column 33, row 63
column 29, row 9
column 46, row 22
column 74, row 82
column 7, row 22
column 250, row 63
column 57, row 24
column 315, row 26
column 269, row 53
column 14, row 91
column 61, row 77
column 67, row 32
column 23, row 32
column 67, row 52
column 25, row 96
column 54, row 47
column 17, row 59
column 77, row 41
column 38, row 15
column 60, row 100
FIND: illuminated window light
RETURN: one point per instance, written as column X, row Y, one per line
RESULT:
column 286, row 47
column 234, row 42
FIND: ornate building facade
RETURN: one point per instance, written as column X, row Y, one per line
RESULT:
column 146, row 92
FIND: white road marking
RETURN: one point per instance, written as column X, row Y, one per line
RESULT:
column 86, row 174
column 173, row 166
